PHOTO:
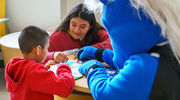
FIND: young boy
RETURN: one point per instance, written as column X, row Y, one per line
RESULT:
column 27, row 78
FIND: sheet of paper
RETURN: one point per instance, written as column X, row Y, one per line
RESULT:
column 68, row 52
column 74, row 68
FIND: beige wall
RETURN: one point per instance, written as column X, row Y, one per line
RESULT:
column 66, row 5
column 43, row 13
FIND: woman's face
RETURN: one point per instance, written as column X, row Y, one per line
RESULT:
column 78, row 27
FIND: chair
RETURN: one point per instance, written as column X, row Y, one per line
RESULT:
column 3, row 21
column 4, row 26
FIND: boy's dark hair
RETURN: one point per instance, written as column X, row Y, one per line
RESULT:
column 31, row 37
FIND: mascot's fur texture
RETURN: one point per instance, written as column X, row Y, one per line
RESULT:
column 134, row 27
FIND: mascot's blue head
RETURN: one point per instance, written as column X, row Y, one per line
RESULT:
column 131, row 31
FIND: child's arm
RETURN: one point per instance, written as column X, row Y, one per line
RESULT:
column 49, row 63
column 44, row 81
column 59, row 57
column 104, row 41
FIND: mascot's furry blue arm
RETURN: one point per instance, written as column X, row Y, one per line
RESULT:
column 132, row 35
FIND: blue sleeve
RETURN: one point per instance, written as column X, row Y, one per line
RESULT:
column 107, row 56
column 134, row 81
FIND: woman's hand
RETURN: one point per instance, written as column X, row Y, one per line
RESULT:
column 59, row 57
column 49, row 63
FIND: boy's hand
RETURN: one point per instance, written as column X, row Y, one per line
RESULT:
column 49, row 63
column 59, row 57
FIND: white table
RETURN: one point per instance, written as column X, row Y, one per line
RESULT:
column 10, row 47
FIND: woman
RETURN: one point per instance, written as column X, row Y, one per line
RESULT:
column 78, row 29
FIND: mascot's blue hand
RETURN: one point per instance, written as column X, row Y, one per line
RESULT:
column 86, row 51
column 85, row 67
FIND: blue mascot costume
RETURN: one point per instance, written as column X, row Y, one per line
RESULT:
column 140, row 53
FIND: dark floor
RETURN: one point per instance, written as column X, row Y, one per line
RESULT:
column 4, row 94
column 1, row 64
column 1, row 59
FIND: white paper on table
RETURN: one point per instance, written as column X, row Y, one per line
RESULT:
column 74, row 68
column 68, row 52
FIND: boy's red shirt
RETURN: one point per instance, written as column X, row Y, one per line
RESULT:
column 28, row 80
